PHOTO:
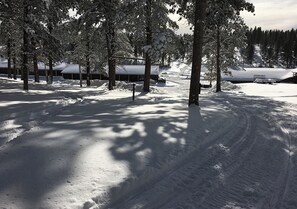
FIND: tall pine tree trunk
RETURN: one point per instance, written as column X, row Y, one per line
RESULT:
column 9, row 58
column 14, row 71
column 88, row 68
column 135, row 54
column 148, row 61
column 50, row 69
column 200, row 8
column 218, row 89
column 14, row 68
column 25, row 45
column 35, row 61
column 110, row 39
column 50, row 57
column 35, row 66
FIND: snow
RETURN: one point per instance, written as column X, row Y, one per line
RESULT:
column 250, row 74
column 71, row 68
column 135, row 69
column 120, row 69
column 62, row 146
column 3, row 63
column 280, row 92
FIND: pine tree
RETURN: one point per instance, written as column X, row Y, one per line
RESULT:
column 250, row 50
column 56, row 12
column 225, row 24
column 25, row 44
column 8, row 29
column 149, row 21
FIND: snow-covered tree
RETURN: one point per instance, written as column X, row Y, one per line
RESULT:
column 56, row 12
column 195, row 12
column 148, row 20
column 226, row 30
column 9, row 32
column 220, row 45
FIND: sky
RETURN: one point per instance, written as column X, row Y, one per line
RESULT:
column 273, row 14
column 269, row 14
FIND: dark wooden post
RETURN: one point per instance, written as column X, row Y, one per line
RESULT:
column 133, row 94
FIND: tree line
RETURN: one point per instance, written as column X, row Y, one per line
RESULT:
column 277, row 47
column 108, row 32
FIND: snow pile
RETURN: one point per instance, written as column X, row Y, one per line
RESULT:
column 179, row 68
column 225, row 86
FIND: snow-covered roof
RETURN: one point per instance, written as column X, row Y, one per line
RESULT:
column 42, row 66
column 250, row 74
column 71, row 69
column 3, row 63
column 60, row 66
column 135, row 69
column 120, row 69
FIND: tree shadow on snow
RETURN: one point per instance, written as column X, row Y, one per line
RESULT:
column 161, row 141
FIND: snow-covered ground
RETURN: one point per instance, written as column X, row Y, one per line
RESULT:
column 62, row 146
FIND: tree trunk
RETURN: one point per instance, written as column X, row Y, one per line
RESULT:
column 169, row 60
column 50, row 58
column 135, row 54
column 25, row 45
column 50, row 69
column 35, row 66
column 148, row 61
column 9, row 58
column 218, row 89
column 163, row 59
column 88, row 68
column 200, row 7
column 35, row 62
column 110, row 39
column 14, row 66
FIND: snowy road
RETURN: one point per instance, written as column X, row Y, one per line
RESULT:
column 248, row 163
column 65, row 147
column 247, row 160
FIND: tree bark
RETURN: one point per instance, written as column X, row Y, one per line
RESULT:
column 218, row 89
column 50, row 68
column 9, row 58
column 50, row 58
column 110, row 39
column 148, row 61
column 88, row 68
column 14, row 65
column 35, row 66
column 35, row 61
column 25, row 45
column 200, row 8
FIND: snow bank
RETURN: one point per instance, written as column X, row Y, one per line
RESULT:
column 226, row 86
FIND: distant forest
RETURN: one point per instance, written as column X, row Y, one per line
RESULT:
column 277, row 47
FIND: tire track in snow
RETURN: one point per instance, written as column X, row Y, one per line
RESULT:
column 240, row 146
column 282, row 184
column 243, row 168
column 198, row 170
column 289, row 126
column 272, row 191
